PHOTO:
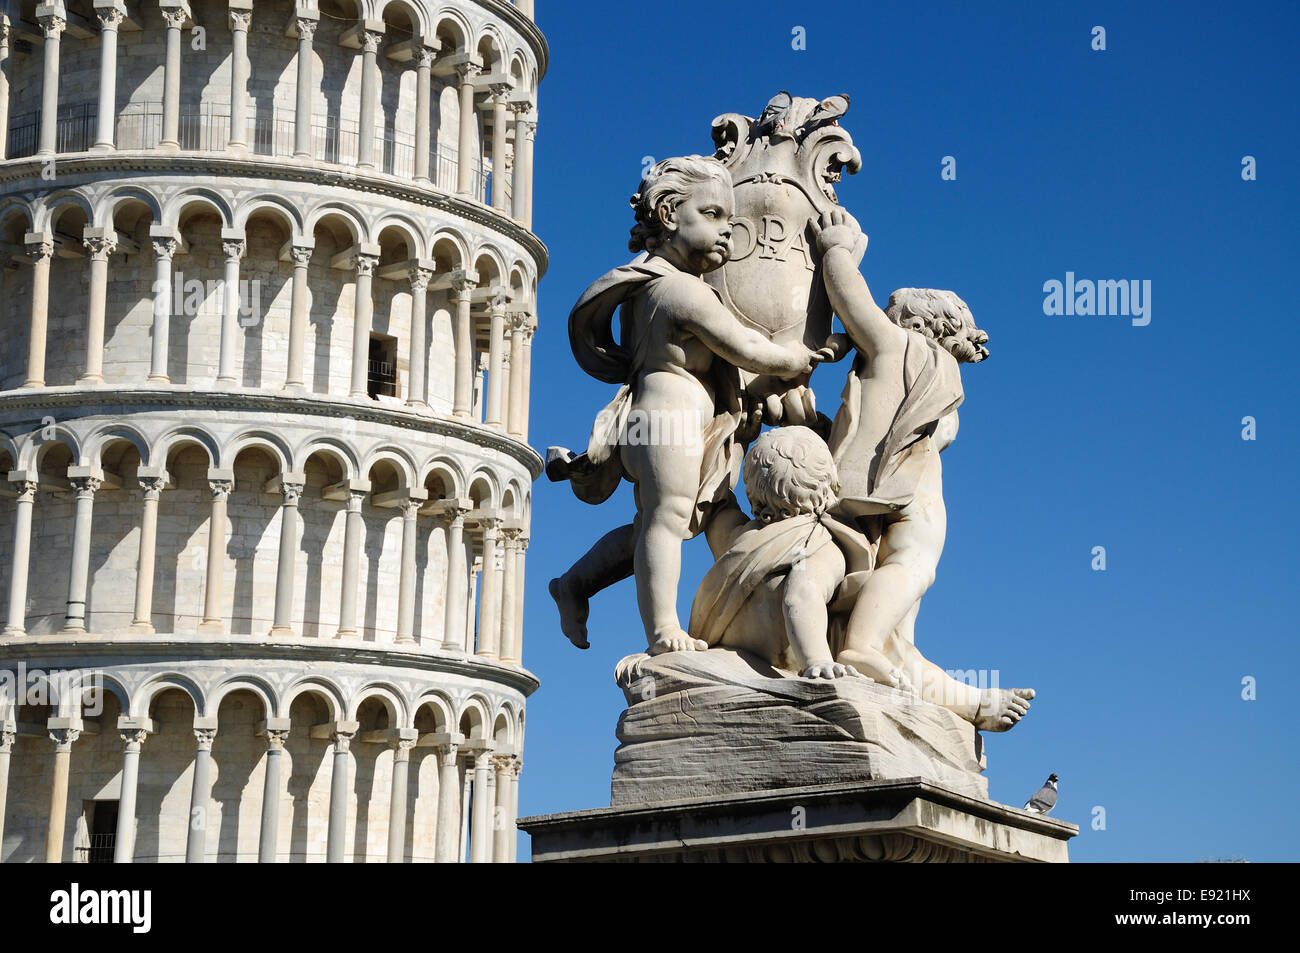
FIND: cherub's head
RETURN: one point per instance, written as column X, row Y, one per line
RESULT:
column 941, row 316
column 683, row 212
column 790, row 471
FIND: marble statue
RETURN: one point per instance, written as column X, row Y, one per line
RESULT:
column 743, row 261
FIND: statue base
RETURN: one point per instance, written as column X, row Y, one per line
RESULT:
column 722, row 722
column 903, row 821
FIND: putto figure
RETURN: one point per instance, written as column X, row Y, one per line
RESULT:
column 677, row 358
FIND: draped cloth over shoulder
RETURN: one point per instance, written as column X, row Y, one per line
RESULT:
column 883, row 478
column 596, row 474
column 764, row 549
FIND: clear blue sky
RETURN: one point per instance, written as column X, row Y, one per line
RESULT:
column 1077, row 432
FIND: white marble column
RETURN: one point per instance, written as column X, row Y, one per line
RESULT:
column 489, row 601
column 423, row 96
column 220, row 482
column 522, row 197
column 200, row 794
column 85, row 483
column 124, row 843
column 418, row 358
column 233, row 248
column 305, row 26
column 447, row 839
column 6, row 53
column 63, row 737
column 176, row 14
column 268, row 838
column 500, row 111
column 397, row 808
column 525, row 385
column 362, row 315
column 299, row 307
column 291, row 487
column 110, row 19
column 480, row 836
column 496, row 345
column 465, row 148
column 525, row 7
column 515, row 770
column 240, row 69
column 518, row 326
column 152, row 483
column 453, row 634
column 336, row 848
column 52, row 26
column 100, row 243
column 509, row 602
column 517, row 644
column 353, row 530
column 7, row 738
column 406, row 579
column 20, row 554
column 369, row 94
column 164, row 248
column 463, row 344
column 40, row 248
column 502, row 828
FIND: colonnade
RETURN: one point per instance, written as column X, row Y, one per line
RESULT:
column 476, row 764
column 494, row 93
column 501, row 542
column 511, row 328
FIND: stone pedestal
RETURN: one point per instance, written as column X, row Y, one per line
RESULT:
column 723, row 758
column 870, row 822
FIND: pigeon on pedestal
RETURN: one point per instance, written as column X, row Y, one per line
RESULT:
column 1045, row 799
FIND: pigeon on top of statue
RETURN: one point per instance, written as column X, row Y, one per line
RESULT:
column 1045, row 799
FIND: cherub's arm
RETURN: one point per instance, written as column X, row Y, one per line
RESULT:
column 724, row 526
column 868, row 327
column 699, row 311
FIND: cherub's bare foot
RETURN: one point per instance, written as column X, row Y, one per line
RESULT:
column 573, row 612
column 1001, row 708
column 877, row 668
column 676, row 641
column 828, row 669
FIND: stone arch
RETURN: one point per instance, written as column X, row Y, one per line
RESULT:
column 412, row 11
column 33, row 454
column 276, row 206
column 248, row 683
column 449, row 249
column 396, row 457
column 332, row 214
column 102, row 436
column 441, row 709
column 406, row 227
column 184, row 436
column 330, row 694
column 501, row 731
column 484, row 489
column 343, row 454
column 489, row 264
column 272, row 443
column 155, row 685
column 106, row 207
column 492, row 49
column 474, row 719
column 176, row 208
column 388, row 695
column 13, row 206
column 50, row 208
column 450, row 25
column 447, row 472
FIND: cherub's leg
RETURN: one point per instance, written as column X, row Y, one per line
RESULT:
column 804, row 606
column 909, row 554
column 988, row 709
column 667, row 480
column 607, row 562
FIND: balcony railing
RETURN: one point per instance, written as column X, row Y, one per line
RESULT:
column 98, row 851
column 140, row 127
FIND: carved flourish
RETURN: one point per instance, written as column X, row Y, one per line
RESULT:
column 220, row 489
column 52, row 26
column 424, row 57
column 26, row 490
column 466, row 72
column 275, row 738
column 420, row 278
column 204, row 737
column 233, row 249
column 165, row 248
column 410, row 508
column 175, row 17
column 342, row 740
column 152, row 486
column 404, row 744
column 100, row 247
column 447, row 755
column 370, row 40
column 110, row 19
column 365, row 265
column 63, row 738
column 240, row 20
column 461, row 289
column 301, row 255
column 306, row 28
column 292, row 493
column 40, row 251
column 85, row 487
column 133, row 739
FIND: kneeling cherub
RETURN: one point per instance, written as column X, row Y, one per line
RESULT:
column 768, row 591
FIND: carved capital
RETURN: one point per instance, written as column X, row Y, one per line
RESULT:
column 306, row 28
column 292, row 493
column 26, row 490
column 63, row 738
column 204, row 737
column 410, row 508
column 301, row 255
column 240, row 20
column 447, row 755
column 133, row 739
column 275, row 738
column 233, row 249
column 165, row 247
column 342, row 740
column 517, row 322
column 467, row 71
column 365, row 264
column 7, row 739
column 110, row 19
column 402, row 744
column 370, row 40
column 510, row 535
column 461, row 289
column 40, row 251
column 220, row 489
column 424, row 57
column 420, row 278
column 502, row 762
column 85, row 487
column 175, row 17
column 100, row 247
column 53, row 27
column 355, row 499
column 152, row 486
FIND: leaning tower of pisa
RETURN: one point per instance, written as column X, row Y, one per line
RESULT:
column 269, row 287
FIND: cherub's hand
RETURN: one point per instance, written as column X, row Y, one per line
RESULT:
column 838, row 229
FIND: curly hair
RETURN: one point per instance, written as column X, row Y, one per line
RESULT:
column 668, row 184
column 942, row 317
column 790, row 471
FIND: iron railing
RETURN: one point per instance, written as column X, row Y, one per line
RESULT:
column 98, row 851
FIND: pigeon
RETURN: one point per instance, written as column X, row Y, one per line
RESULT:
column 1045, row 799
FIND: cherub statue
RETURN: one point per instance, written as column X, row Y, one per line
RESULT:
column 768, row 592
column 898, row 411
column 677, row 359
